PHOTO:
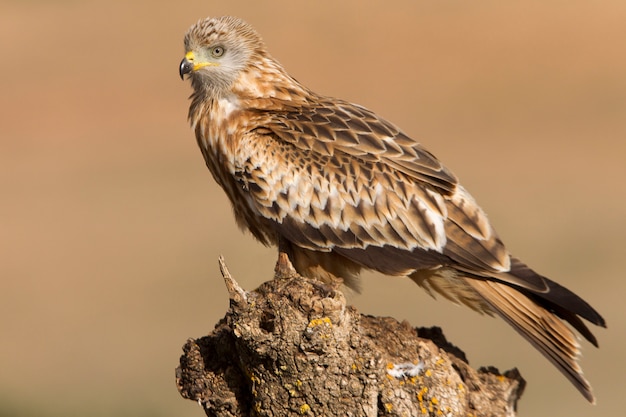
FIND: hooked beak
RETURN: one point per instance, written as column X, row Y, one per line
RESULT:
column 186, row 67
column 190, row 64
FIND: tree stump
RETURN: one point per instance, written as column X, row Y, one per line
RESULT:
column 293, row 347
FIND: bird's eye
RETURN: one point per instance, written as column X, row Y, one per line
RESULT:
column 217, row 51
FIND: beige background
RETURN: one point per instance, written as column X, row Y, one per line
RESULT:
column 110, row 226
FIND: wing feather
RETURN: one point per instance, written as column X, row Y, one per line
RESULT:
column 356, row 131
column 338, row 168
column 313, row 192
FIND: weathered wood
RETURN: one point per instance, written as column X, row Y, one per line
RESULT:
column 293, row 347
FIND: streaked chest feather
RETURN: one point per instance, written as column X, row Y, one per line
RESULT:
column 217, row 126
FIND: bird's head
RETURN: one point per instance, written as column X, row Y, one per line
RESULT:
column 217, row 50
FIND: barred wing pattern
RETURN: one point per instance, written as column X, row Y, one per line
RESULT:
column 335, row 175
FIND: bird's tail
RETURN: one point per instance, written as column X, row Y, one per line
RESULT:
column 535, row 315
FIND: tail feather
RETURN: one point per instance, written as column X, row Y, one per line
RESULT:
column 575, row 322
column 554, row 293
column 552, row 337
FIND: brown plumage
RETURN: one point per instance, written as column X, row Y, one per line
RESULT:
column 338, row 189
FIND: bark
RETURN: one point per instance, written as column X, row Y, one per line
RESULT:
column 293, row 347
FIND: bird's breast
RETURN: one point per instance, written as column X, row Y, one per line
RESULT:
column 220, row 127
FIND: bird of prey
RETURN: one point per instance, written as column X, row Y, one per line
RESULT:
column 338, row 188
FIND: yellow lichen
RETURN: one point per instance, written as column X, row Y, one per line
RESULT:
column 428, row 373
column 388, row 407
column 420, row 394
column 319, row 322
column 305, row 408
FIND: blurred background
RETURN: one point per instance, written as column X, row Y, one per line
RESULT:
column 110, row 224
